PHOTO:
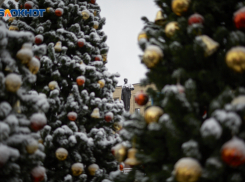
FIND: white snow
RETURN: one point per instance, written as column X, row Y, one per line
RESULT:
column 211, row 127
column 39, row 118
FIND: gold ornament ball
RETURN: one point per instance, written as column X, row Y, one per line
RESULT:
column 24, row 54
column 13, row 82
column 92, row 169
column 34, row 65
column 101, row 83
column 131, row 160
column 13, row 28
column 77, row 169
column 179, row 7
column 118, row 126
column 61, row 154
column 96, row 25
column 187, row 170
column 11, row 19
column 32, row 146
column 58, row 46
column 152, row 114
column 152, row 55
column 235, row 59
column 142, row 35
column 120, row 152
column 85, row 14
column 160, row 19
column 209, row 45
column 171, row 28
column 52, row 85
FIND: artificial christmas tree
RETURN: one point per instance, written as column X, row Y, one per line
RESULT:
column 79, row 88
column 195, row 130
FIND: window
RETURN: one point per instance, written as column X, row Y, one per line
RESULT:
column 137, row 110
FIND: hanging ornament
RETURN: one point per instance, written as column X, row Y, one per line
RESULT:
column 72, row 116
column 195, row 18
column 95, row 113
column 92, row 1
column 17, row 107
column 81, row 42
column 97, row 58
column 187, row 170
column 152, row 55
column 208, row 44
column 239, row 18
column 80, row 80
column 233, row 152
column 142, row 35
column 31, row 146
column 117, row 126
column 85, row 14
column 152, row 114
column 121, row 167
column 109, row 116
column 179, row 7
column 58, row 46
column 28, row 5
column 131, row 160
column 53, row 85
column 34, row 65
column 160, row 19
column 25, row 54
column 38, row 121
column 95, row 13
column 13, row 28
column 39, row 39
column 96, row 25
column 171, row 28
column 235, row 59
column 92, row 169
column 13, row 82
column 120, row 152
column 59, row 12
column 61, row 154
column 50, row 10
column 77, row 169
column 141, row 98
column 38, row 174
column 104, row 57
column 11, row 19
column 101, row 83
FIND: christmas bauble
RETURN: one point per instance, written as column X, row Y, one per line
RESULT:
column 85, row 14
column 119, row 151
column 95, row 113
column 233, row 152
column 131, row 160
column 77, row 169
column 171, row 28
column 61, row 154
column 92, row 1
column 160, row 19
column 101, row 83
column 195, row 18
column 121, row 167
column 38, row 174
column 97, row 58
column 208, row 44
column 72, row 116
column 96, row 25
column 38, row 121
column 141, row 98
column 117, row 126
column 239, row 18
column 53, row 85
column 80, row 80
column 235, row 59
column 31, row 146
column 11, row 19
column 187, row 170
column 152, row 114
column 109, row 116
column 34, row 65
column 28, row 5
column 25, row 55
column 13, row 28
column 59, row 12
column 104, row 57
column 38, row 39
column 58, row 46
column 81, row 42
column 92, row 169
column 152, row 55
column 50, row 10
column 142, row 35
column 179, row 7
column 13, row 82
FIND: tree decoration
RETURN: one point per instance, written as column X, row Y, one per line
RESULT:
column 233, row 152
column 58, row 46
column 208, row 44
column 85, row 14
column 34, row 65
column 32, row 146
column 240, row 100
column 187, row 170
column 101, row 83
column 72, row 116
column 171, row 28
column 104, row 57
column 81, row 42
column 50, row 10
column 152, row 114
column 118, row 126
column 61, row 154
column 13, row 28
column 160, row 19
column 11, row 19
column 38, row 39
column 121, row 167
column 239, row 18
column 131, row 160
column 195, row 18
column 92, row 169
column 92, row 1
column 179, row 7
column 142, row 35
column 25, row 54
column 119, row 151
column 80, row 80
column 38, row 121
column 109, row 116
column 97, row 58
column 59, row 12
column 96, row 25
column 38, row 174
column 13, row 82
column 95, row 113
column 77, row 169
column 152, row 55
column 17, row 107
column 141, row 98
column 235, row 59
column 28, row 5
column 53, row 85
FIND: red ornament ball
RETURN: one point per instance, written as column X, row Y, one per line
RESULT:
column 121, row 167
column 93, row 1
column 97, row 58
column 38, row 174
column 72, row 116
column 59, row 12
column 239, row 18
column 195, row 18
column 141, row 98
column 28, row 5
column 109, row 116
column 81, row 42
column 80, row 80
column 38, row 39
column 38, row 121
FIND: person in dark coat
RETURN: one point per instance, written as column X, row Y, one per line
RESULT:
column 126, row 94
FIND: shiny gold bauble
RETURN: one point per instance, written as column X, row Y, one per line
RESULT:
column 160, row 19
column 209, row 45
column 92, row 169
column 101, row 83
column 50, row 10
column 11, row 19
column 95, row 113
column 85, row 14
column 77, row 169
column 131, row 160
column 142, row 35
column 12, row 82
column 152, row 114
column 13, row 28
column 34, row 65
column 171, row 28
column 120, row 152
column 180, row 6
column 58, row 46
column 152, row 55
column 61, row 154
column 32, row 146
column 104, row 57
column 187, row 170
column 53, row 85
column 25, row 55
column 118, row 126
column 235, row 59
column 96, row 25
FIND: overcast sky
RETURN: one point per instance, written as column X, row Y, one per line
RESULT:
column 123, row 24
